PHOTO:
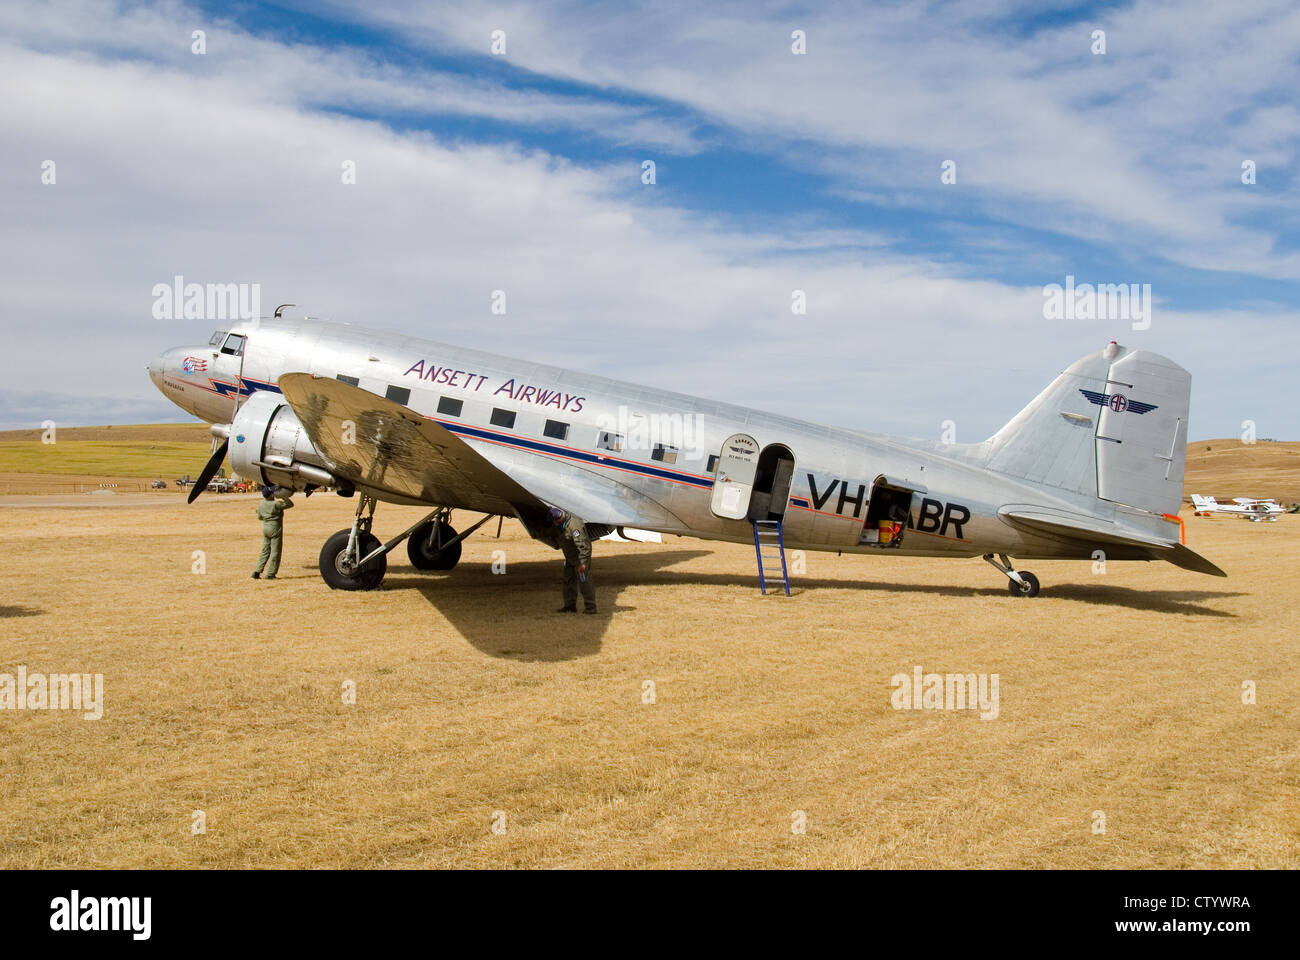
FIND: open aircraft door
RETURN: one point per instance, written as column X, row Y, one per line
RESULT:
column 733, row 477
column 891, row 503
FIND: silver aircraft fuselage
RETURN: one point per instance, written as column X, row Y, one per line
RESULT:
column 560, row 417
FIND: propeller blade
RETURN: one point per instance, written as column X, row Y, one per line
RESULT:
column 209, row 471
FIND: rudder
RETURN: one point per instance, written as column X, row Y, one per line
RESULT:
column 1142, row 432
column 1112, row 426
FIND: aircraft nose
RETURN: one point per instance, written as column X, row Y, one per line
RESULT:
column 156, row 367
column 169, row 363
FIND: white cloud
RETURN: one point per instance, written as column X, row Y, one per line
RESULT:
column 167, row 168
column 335, row 78
column 1139, row 148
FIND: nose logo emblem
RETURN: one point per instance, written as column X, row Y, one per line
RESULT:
column 239, row 439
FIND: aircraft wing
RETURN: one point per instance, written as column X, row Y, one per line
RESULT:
column 595, row 498
column 399, row 453
column 396, row 451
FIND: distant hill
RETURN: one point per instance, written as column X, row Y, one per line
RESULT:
column 131, row 433
column 84, row 458
column 1230, row 468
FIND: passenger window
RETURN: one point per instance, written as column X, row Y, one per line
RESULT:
column 234, row 345
column 609, row 441
column 556, row 430
column 503, row 418
column 450, row 406
column 351, row 381
column 664, row 454
column 400, row 395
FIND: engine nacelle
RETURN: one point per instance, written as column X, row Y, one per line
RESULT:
column 268, row 443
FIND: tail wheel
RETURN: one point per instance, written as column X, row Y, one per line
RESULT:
column 341, row 573
column 425, row 555
column 1027, row 589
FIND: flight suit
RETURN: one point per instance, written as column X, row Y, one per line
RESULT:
column 271, row 513
column 576, row 546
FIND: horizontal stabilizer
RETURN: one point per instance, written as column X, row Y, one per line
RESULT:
column 1096, row 530
column 1191, row 560
column 1077, row 527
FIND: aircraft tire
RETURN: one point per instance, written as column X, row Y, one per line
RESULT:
column 1030, row 587
column 367, row 578
column 424, row 559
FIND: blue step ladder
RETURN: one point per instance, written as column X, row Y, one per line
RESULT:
column 769, row 546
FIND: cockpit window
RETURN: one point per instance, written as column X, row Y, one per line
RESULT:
column 216, row 338
column 234, row 345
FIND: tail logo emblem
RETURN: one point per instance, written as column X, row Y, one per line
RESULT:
column 1117, row 402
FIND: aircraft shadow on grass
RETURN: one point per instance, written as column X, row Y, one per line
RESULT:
column 6, row 612
column 512, row 615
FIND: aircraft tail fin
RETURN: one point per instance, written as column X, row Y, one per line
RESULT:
column 1112, row 426
column 1202, row 502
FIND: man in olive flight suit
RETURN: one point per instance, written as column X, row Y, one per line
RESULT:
column 271, row 512
column 576, row 546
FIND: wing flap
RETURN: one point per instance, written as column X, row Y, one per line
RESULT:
column 590, row 496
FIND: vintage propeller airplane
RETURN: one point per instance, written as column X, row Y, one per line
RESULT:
column 1093, row 463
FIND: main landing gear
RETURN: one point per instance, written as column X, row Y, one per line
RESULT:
column 1021, row 583
column 354, row 559
column 434, row 545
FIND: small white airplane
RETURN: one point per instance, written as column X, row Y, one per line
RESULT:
column 1243, row 507
column 1094, row 463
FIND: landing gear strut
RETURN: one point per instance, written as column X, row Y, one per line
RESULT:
column 347, row 560
column 434, row 545
column 1021, row 583
column 354, row 559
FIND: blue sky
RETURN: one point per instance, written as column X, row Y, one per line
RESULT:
column 774, row 172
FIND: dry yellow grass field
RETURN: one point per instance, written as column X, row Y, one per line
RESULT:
column 1119, row 692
